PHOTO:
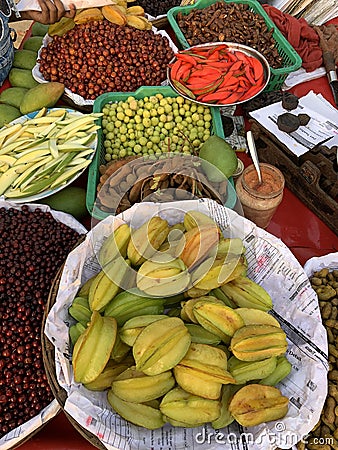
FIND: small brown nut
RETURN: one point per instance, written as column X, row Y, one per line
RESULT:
column 331, row 324
column 333, row 351
column 325, row 292
column 335, row 434
column 334, row 312
column 104, row 178
column 317, row 446
column 323, row 273
column 333, row 391
column 329, row 407
column 326, row 311
column 333, row 375
column 325, row 431
column 131, row 178
column 316, row 281
column 330, row 336
column 102, row 168
column 330, row 277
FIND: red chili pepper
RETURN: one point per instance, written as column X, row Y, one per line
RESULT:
column 182, row 71
column 215, row 49
column 243, row 57
column 197, row 84
column 232, row 56
column 194, row 55
column 207, row 71
column 186, row 77
column 257, row 68
column 217, row 97
column 174, row 68
column 187, row 58
column 252, row 91
column 243, row 81
column 229, row 81
column 211, row 88
column 199, row 80
column 180, row 87
column 225, row 65
column 226, row 78
column 249, row 75
column 234, row 97
column 236, row 66
column 201, row 51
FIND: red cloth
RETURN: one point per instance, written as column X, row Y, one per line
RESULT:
column 300, row 35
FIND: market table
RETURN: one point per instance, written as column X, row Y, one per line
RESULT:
column 294, row 223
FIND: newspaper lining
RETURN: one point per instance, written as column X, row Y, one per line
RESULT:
column 322, row 127
column 272, row 265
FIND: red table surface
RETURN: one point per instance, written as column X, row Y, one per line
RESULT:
column 294, row 223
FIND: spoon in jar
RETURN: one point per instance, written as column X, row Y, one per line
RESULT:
column 253, row 153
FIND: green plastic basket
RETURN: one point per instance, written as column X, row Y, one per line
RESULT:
column 112, row 97
column 291, row 60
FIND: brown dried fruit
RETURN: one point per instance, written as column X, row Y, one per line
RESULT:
column 288, row 122
column 290, row 102
column 304, row 119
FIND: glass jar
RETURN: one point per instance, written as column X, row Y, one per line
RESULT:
column 260, row 200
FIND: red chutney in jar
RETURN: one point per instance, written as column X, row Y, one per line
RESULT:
column 268, row 185
column 260, row 200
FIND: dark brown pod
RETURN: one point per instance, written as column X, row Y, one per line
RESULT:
column 290, row 101
column 304, row 119
column 288, row 122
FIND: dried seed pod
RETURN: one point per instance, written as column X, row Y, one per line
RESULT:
column 290, row 102
column 288, row 122
column 304, row 119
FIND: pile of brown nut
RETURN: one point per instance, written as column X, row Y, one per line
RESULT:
column 325, row 434
column 230, row 22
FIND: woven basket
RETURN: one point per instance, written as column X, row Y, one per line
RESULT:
column 48, row 354
column 46, row 421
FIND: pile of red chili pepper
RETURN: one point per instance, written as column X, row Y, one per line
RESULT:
column 217, row 74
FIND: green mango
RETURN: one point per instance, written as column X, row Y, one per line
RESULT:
column 71, row 200
column 33, row 43
column 39, row 29
column 8, row 113
column 43, row 95
column 13, row 96
column 216, row 153
column 21, row 78
column 24, row 59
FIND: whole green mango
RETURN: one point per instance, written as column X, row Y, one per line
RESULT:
column 216, row 153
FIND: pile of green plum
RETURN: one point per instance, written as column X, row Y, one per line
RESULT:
column 154, row 125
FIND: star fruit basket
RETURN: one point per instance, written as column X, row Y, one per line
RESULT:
column 295, row 305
